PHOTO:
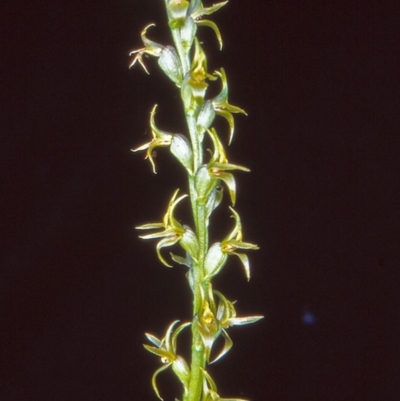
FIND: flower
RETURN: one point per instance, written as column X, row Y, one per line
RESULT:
column 151, row 48
column 168, row 58
column 179, row 145
column 160, row 138
column 218, row 253
column 221, row 105
column 214, row 319
column 217, row 169
column 234, row 241
column 194, row 85
column 172, row 233
column 166, row 349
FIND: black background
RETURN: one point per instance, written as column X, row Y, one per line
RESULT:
column 78, row 289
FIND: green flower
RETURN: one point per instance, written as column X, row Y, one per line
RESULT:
column 150, row 48
column 179, row 145
column 218, row 253
column 166, row 349
column 197, row 11
column 160, row 138
column 234, row 242
column 172, row 233
column 219, row 168
column 214, row 319
column 168, row 58
column 221, row 105
column 194, row 85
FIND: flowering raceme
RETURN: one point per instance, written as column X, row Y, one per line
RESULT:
column 208, row 173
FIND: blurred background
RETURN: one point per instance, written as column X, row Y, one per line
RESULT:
column 78, row 289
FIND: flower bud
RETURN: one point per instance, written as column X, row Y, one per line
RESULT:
column 181, row 149
column 169, row 62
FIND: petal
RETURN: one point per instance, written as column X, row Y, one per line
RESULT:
column 185, row 261
column 212, row 9
column 228, row 117
column 150, row 226
column 227, row 346
column 242, row 245
column 245, row 262
column 177, row 332
column 241, row 321
column 230, row 183
column 161, row 352
column 153, row 379
column 197, row 10
column 153, row 339
column 142, row 147
column 214, row 27
column 139, row 57
column 230, row 166
column 158, row 133
column 168, row 341
column 152, row 48
column 163, row 234
column 164, row 243
column 237, row 229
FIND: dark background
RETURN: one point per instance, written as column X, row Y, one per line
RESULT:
column 78, row 289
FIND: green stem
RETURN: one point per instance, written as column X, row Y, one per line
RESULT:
column 198, row 350
column 198, row 357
